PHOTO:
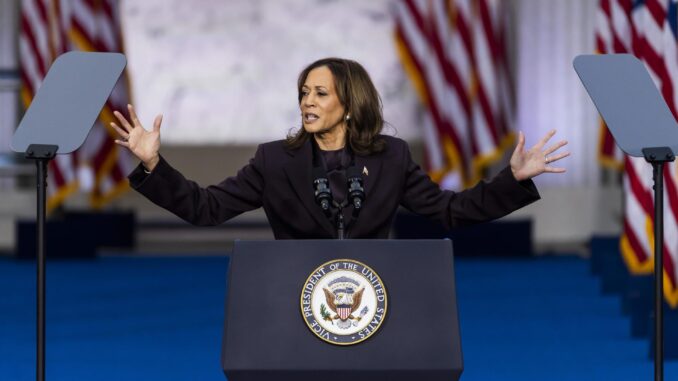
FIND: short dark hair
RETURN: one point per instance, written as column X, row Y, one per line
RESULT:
column 360, row 99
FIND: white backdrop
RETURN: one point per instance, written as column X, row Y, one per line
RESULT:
column 550, row 34
column 225, row 72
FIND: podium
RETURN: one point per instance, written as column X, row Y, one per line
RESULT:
column 267, row 337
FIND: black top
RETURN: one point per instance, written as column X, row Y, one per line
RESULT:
column 336, row 163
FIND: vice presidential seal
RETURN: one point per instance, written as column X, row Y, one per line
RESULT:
column 343, row 302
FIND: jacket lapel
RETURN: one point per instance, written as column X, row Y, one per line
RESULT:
column 369, row 166
column 299, row 172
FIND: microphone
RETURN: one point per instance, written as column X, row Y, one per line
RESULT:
column 323, row 194
column 356, row 192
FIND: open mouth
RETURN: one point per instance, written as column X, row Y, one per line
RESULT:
column 310, row 117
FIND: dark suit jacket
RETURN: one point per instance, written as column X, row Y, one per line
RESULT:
column 281, row 181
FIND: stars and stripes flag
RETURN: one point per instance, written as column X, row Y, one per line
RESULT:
column 614, row 34
column 49, row 28
column 454, row 53
column 647, row 29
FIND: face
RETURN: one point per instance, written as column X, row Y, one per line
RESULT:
column 321, row 110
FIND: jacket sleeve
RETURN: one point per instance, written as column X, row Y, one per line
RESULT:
column 485, row 201
column 213, row 205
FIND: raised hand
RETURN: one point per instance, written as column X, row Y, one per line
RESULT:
column 537, row 160
column 143, row 144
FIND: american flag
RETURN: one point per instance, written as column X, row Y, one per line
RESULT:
column 455, row 55
column 615, row 33
column 48, row 29
column 648, row 29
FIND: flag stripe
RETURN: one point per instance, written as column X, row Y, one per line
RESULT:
column 455, row 58
column 442, row 125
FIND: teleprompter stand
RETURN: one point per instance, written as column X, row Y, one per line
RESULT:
column 643, row 126
column 57, row 122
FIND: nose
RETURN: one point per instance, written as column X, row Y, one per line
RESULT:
column 309, row 100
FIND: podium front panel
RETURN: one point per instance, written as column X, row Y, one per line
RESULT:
column 265, row 336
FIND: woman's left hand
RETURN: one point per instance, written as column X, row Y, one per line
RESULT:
column 537, row 160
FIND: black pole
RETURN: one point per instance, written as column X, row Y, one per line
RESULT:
column 42, row 154
column 658, row 174
column 340, row 223
column 42, row 200
column 657, row 156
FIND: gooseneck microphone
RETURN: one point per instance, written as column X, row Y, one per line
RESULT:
column 321, row 185
column 356, row 192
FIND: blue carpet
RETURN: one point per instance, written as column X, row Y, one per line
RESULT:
column 122, row 318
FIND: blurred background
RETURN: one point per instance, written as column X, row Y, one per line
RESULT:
column 557, row 287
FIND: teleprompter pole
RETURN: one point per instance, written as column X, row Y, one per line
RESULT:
column 658, row 174
column 42, row 154
column 657, row 157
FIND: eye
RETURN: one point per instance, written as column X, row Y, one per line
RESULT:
column 322, row 94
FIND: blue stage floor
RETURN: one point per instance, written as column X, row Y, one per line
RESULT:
column 125, row 318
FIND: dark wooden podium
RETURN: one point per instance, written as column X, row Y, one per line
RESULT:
column 265, row 337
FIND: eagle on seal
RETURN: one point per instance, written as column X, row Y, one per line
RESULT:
column 343, row 304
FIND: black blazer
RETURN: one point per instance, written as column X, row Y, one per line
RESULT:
column 281, row 181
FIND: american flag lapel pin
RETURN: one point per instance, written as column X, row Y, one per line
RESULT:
column 365, row 171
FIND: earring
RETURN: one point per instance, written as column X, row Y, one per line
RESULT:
column 348, row 116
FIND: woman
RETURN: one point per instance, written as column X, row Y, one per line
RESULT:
column 341, row 128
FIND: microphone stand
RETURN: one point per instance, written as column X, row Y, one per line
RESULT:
column 340, row 217
column 323, row 195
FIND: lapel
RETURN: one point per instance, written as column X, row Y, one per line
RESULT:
column 369, row 166
column 372, row 165
column 298, row 170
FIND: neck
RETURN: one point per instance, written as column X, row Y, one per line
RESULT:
column 331, row 140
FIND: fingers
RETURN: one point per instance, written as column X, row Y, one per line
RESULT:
column 554, row 170
column 123, row 122
column 121, row 143
column 157, row 122
column 555, row 147
column 557, row 157
column 545, row 139
column 123, row 134
column 133, row 115
column 521, row 143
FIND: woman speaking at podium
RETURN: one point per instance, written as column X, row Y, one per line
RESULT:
column 337, row 176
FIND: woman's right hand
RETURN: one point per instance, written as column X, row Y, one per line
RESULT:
column 143, row 144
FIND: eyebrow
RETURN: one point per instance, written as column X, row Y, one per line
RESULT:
column 317, row 87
